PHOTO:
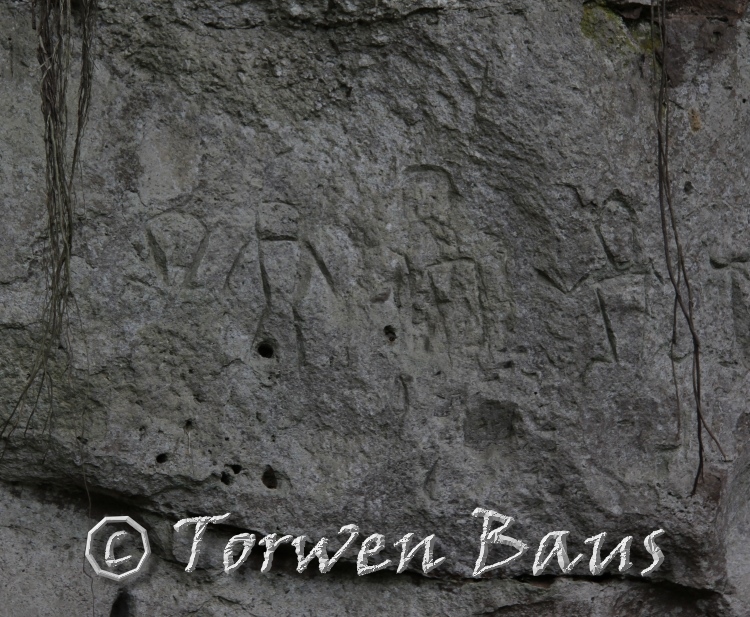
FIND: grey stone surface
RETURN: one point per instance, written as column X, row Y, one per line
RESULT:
column 440, row 221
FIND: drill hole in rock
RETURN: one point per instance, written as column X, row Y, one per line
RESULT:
column 226, row 478
column 236, row 468
column 269, row 478
column 162, row 458
column 390, row 333
column 265, row 350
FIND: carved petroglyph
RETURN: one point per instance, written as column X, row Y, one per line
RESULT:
column 458, row 288
column 572, row 251
column 456, row 291
column 623, row 304
column 735, row 522
column 741, row 314
column 617, row 232
column 178, row 242
column 277, row 221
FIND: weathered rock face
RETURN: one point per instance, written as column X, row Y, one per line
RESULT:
column 383, row 263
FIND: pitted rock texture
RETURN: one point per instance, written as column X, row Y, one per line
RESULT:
column 383, row 263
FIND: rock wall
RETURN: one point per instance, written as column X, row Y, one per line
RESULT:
column 382, row 262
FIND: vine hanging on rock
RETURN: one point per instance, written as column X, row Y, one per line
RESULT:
column 673, row 250
column 53, row 21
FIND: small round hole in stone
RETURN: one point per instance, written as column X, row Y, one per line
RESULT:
column 269, row 478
